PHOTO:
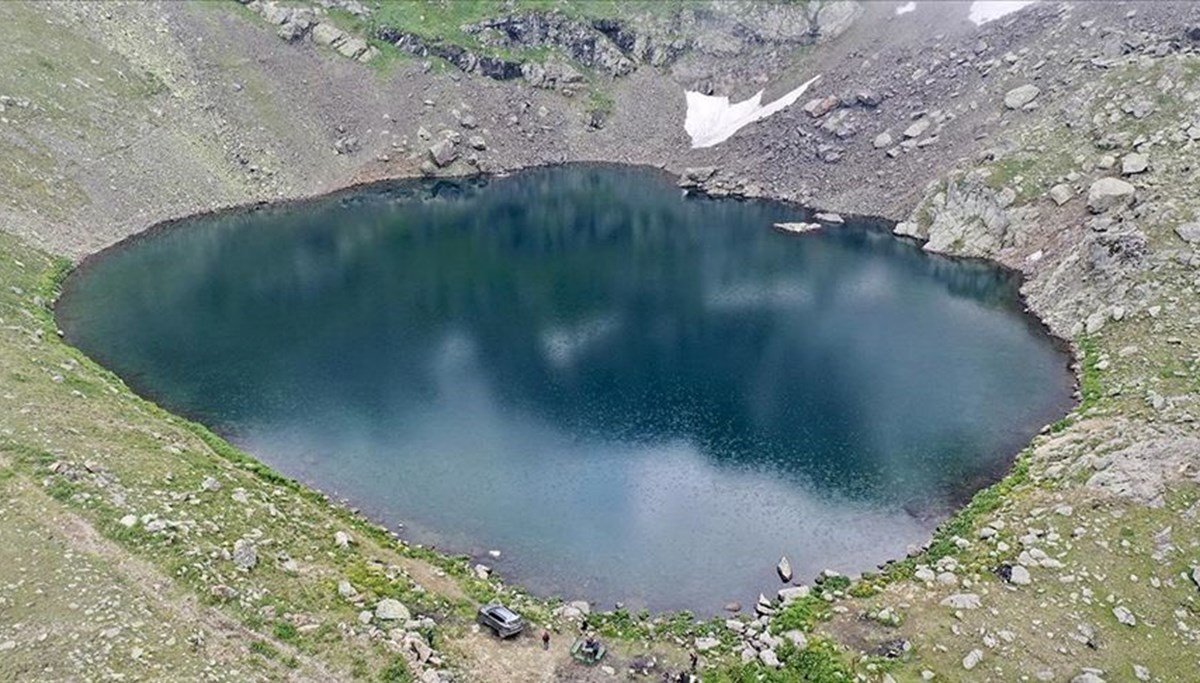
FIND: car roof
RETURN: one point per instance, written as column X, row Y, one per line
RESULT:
column 503, row 613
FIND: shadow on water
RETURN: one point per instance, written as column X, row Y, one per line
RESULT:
column 589, row 370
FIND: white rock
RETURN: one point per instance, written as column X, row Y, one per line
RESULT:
column 343, row 539
column 800, row 228
column 797, row 638
column 389, row 609
column 792, row 593
column 1020, row 576
column 129, row 520
column 1109, row 193
column 1124, row 616
column 917, row 127
column 1061, row 194
column 346, row 590
column 1021, row 95
column 704, row 644
column 1134, row 163
column 972, row 659
column 962, row 601
column 1189, row 232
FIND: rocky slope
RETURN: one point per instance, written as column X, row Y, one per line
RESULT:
column 1060, row 141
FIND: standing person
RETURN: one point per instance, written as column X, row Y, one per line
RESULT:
column 695, row 660
column 545, row 639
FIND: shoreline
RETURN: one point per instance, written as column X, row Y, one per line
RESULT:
column 881, row 224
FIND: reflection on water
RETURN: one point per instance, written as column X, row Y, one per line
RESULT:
column 635, row 396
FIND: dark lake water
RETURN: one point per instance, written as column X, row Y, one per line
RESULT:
column 633, row 395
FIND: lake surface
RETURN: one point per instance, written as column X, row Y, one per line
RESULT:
column 633, row 395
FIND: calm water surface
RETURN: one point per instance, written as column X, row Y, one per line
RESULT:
column 635, row 396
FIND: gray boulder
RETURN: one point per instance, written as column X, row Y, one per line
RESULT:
column 1020, row 576
column 882, row 140
column 389, row 609
column 784, row 570
column 327, row 35
column 1061, row 194
column 245, row 556
column 1189, row 232
column 917, row 127
column 792, row 593
column 821, row 106
column 443, row 153
column 1020, row 96
column 962, row 601
column 1109, row 193
column 353, row 47
column 1134, row 163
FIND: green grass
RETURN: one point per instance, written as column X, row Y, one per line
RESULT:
column 821, row 662
column 262, row 647
column 601, row 100
column 285, row 631
column 1091, row 387
column 443, row 20
column 395, row 672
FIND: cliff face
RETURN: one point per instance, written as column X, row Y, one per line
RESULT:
column 1060, row 141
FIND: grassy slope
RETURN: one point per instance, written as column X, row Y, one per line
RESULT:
column 118, row 455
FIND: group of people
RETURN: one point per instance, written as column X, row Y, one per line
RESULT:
column 591, row 648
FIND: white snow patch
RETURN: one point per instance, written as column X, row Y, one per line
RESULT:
column 906, row 8
column 983, row 11
column 712, row 120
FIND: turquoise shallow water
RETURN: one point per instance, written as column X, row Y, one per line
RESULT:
column 633, row 395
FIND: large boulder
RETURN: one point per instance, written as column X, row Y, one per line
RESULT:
column 389, row 609
column 245, row 556
column 328, row 35
column 1020, row 96
column 962, row 601
column 784, row 570
column 1189, row 232
column 792, row 593
column 1061, row 194
column 1134, row 163
column 821, row 106
column 918, row 127
column 1109, row 193
column 353, row 47
column 443, row 153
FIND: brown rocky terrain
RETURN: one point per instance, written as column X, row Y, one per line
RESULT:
column 1061, row 141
